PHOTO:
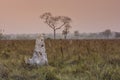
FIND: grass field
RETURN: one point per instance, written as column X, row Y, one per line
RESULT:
column 68, row 60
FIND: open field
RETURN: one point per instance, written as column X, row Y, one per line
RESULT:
column 68, row 60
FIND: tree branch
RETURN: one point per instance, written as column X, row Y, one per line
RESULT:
column 60, row 26
column 49, row 24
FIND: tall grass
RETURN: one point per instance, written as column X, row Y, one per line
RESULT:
column 68, row 60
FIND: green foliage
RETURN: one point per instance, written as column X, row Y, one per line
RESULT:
column 68, row 60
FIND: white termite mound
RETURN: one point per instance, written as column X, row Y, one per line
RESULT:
column 39, row 56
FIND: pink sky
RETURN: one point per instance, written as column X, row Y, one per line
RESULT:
column 22, row 16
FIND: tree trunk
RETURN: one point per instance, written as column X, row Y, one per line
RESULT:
column 54, row 34
column 65, row 36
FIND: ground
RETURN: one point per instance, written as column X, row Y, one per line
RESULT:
column 68, row 60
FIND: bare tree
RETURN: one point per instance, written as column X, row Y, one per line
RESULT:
column 76, row 33
column 66, row 30
column 107, row 33
column 55, row 22
column 117, row 34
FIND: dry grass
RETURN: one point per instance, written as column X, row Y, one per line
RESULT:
column 68, row 60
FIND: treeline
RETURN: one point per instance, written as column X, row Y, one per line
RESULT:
column 75, row 35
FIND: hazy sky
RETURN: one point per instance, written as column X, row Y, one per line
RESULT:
column 22, row 16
